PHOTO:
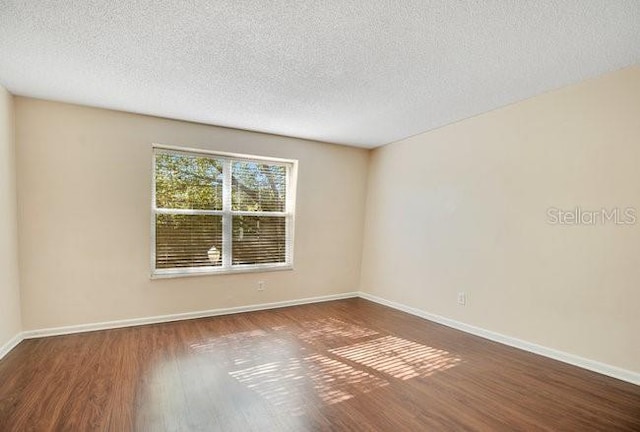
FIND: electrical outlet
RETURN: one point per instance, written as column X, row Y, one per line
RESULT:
column 261, row 285
column 462, row 299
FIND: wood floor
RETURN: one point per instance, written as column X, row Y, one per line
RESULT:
column 348, row 365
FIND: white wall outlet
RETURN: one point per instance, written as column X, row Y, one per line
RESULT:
column 261, row 285
column 462, row 298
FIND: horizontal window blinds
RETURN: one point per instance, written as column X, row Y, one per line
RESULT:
column 259, row 240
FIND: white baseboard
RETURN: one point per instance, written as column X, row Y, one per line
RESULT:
column 11, row 344
column 592, row 365
column 56, row 331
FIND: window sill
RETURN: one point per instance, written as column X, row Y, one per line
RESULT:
column 211, row 271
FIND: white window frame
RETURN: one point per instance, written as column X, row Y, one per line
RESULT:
column 227, row 214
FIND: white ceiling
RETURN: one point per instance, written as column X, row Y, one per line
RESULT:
column 356, row 72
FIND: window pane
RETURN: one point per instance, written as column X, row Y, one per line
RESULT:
column 259, row 240
column 188, row 182
column 258, row 187
column 188, row 241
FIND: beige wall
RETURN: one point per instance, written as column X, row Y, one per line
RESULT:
column 463, row 209
column 84, row 184
column 10, row 324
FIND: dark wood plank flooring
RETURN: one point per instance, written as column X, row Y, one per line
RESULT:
column 348, row 365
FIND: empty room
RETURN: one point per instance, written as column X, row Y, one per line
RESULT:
column 319, row 216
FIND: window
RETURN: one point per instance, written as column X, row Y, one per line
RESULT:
column 219, row 213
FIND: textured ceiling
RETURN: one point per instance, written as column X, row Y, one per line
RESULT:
column 357, row 72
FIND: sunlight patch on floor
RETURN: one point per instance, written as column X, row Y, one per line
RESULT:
column 328, row 330
column 400, row 358
column 246, row 348
column 293, row 383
